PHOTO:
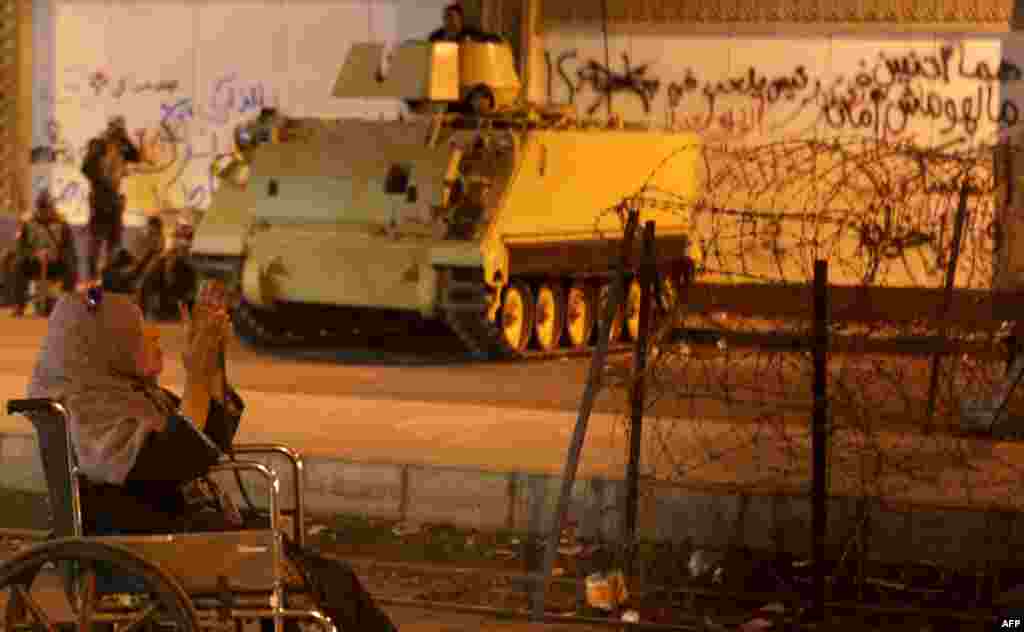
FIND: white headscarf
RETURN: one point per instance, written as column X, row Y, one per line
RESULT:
column 89, row 362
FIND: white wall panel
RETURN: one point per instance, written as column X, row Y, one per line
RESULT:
column 184, row 74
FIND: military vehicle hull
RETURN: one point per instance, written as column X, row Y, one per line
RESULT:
column 506, row 233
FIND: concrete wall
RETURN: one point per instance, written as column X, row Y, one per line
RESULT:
column 184, row 74
column 489, row 501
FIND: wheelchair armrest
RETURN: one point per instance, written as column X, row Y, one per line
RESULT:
column 269, row 448
column 273, row 481
column 298, row 473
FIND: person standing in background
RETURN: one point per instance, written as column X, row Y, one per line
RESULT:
column 117, row 131
column 106, row 164
column 104, row 168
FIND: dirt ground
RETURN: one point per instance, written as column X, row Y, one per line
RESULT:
column 404, row 564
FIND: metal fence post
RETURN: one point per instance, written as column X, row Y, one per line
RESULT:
column 586, row 406
column 819, row 439
column 637, row 394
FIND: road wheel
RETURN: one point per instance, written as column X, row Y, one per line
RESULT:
column 481, row 101
column 633, row 309
column 261, row 327
column 156, row 597
column 517, row 316
column 581, row 314
column 670, row 293
column 550, row 315
column 616, row 327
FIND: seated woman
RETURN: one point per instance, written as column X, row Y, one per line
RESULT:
column 45, row 250
column 144, row 451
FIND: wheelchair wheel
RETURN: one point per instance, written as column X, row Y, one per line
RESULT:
column 34, row 600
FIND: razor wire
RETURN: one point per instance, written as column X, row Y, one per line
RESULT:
column 882, row 215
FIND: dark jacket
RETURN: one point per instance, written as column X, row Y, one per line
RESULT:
column 129, row 151
column 102, row 188
column 151, row 499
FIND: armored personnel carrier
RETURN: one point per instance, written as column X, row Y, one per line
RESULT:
column 499, row 221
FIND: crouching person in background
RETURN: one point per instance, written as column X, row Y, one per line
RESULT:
column 129, row 267
column 170, row 279
column 45, row 251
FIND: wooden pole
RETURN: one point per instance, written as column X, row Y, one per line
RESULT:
column 819, row 491
column 586, row 406
column 648, row 271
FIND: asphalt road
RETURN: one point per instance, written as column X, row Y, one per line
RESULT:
column 426, row 402
column 406, row 401
column 437, row 370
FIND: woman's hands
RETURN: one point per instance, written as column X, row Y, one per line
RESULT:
column 206, row 329
column 206, row 332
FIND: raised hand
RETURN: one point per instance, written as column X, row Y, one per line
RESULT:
column 206, row 330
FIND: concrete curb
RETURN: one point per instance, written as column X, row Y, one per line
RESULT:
column 525, row 502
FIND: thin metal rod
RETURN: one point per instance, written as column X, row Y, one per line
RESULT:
column 607, row 56
column 819, row 492
column 586, row 406
column 648, row 271
column 947, row 298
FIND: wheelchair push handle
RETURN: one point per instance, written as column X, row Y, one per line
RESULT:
column 23, row 406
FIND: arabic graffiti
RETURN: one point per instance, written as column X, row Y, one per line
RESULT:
column 177, row 151
column 635, row 81
column 887, row 95
column 69, row 194
column 231, row 96
column 605, row 82
column 884, row 97
column 82, row 83
column 759, row 90
column 176, row 165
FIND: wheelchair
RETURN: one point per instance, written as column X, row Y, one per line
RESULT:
column 185, row 582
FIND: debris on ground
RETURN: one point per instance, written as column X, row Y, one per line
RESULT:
column 404, row 529
column 703, row 563
column 606, row 591
column 316, row 529
column 410, row 560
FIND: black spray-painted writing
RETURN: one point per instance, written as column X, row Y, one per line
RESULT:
column 882, row 97
column 604, row 81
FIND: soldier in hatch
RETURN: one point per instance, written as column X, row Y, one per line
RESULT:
column 455, row 29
